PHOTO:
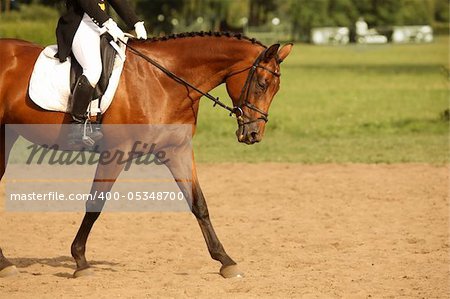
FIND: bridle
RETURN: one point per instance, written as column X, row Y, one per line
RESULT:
column 237, row 110
column 242, row 118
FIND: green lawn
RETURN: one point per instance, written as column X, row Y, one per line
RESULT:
column 369, row 104
column 34, row 23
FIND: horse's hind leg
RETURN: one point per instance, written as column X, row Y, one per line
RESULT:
column 6, row 267
column 105, row 178
column 8, row 138
column 199, row 208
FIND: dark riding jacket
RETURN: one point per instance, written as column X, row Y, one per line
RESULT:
column 68, row 23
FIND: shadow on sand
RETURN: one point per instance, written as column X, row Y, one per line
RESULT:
column 59, row 262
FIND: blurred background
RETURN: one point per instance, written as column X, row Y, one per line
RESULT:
column 367, row 80
column 268, row 20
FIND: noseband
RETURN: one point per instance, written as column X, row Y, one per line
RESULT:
column 242, row 118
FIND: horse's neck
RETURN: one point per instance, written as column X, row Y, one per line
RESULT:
column 205, row 62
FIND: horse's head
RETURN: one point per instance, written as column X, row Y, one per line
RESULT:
column 252, row 91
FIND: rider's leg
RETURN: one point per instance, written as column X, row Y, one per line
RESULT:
column 86, row 49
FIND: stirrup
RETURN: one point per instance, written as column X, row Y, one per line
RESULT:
column 87, row 140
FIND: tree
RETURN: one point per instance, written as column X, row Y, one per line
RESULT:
column 342, row 12
column 306, row 14
column 387, row 11
column 441, row 11
column 237, row 11
column 259, row 11
column 415, row 12
column 303, row 15
column 160, row 14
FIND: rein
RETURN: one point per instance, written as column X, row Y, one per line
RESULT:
column 237, row 110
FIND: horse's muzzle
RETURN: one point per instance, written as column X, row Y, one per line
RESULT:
column 248, row 137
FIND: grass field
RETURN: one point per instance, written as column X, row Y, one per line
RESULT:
column 368, row 104
column 34, row 23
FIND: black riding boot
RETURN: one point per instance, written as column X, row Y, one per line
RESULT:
column 82, row 130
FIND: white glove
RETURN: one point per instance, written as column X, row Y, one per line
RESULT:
column 114, row 30
column 139, row 28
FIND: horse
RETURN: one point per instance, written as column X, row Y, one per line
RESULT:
column 147, row 95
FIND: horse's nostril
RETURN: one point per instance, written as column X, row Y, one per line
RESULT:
column 254, row 135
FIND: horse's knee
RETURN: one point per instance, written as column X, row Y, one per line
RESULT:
column 200, row 211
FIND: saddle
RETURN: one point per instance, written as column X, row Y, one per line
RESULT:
column 53, row 82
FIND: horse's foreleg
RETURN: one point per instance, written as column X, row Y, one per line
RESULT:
column 6, row 267
column 199, row 208
column 105, row 178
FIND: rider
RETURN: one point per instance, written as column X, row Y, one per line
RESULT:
column 78, row 32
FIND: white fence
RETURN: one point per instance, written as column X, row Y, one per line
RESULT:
column 408, row 34
column 397, row 34
column 330, row 35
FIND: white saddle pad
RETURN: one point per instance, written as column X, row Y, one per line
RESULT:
column 50, row 82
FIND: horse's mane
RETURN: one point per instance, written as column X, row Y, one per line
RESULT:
column 238, row 36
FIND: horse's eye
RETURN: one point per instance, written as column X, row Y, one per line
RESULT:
column 262, row 85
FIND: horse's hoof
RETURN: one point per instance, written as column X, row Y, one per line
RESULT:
column 83, row 273
column 9, row 271
column 231, row 271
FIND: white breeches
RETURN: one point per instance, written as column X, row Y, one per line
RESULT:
column 86, row 49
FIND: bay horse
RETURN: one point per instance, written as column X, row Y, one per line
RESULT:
column 146, row 95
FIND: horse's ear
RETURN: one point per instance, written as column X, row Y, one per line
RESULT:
column 271, row 52
column 284, row 52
